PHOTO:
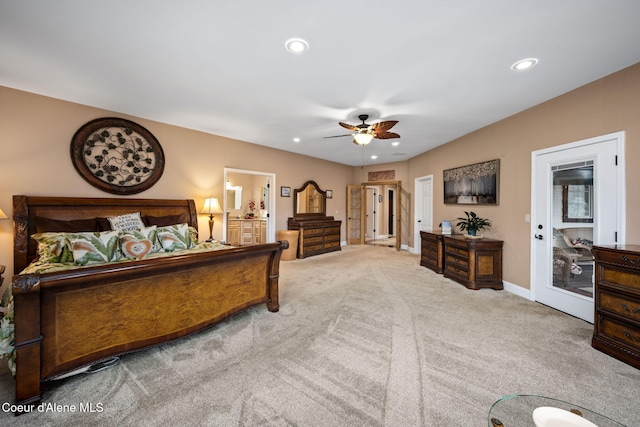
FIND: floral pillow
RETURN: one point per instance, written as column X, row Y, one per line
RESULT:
column 137, row 244
column 126, row 222
column 94, row 248
column 193, row 234
column 175, row 237
column 53, row 247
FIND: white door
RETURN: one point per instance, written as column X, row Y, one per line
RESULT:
column 577, row 201
column 423, row 208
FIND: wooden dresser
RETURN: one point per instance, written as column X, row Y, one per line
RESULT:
column 432, row 250
column 317, row 235
column 616, row 328
column 475, row 263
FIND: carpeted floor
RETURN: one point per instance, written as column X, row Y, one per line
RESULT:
column 364, row 337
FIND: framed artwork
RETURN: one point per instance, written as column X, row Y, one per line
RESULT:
column 117, row 155
column 475, row 184
column 285, row 191
column 329, row 194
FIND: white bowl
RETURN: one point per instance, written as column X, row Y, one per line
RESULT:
column 548, row 416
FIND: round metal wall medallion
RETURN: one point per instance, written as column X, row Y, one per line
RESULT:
column 117, row 155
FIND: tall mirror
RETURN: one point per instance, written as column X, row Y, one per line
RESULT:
column 309, row 201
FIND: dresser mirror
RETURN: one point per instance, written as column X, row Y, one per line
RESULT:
column 309, row 201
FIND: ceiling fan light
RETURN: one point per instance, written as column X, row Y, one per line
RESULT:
column 363, row 138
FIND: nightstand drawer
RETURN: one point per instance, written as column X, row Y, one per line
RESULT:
column 622, row 278
column 456, row 261
column 462, row 252
column 620, row 331
column 459, row 271
column 623, row 306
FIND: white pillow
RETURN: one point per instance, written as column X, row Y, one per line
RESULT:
column 126, row 222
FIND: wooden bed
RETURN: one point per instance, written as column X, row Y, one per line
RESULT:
column 69, row 319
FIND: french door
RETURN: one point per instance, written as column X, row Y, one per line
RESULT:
column 354, row 214
column 577, row 202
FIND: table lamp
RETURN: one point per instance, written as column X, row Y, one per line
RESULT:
column 211, row 206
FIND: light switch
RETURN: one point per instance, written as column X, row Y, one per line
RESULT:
column 527, row 217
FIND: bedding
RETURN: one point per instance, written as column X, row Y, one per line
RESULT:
column 127, row 300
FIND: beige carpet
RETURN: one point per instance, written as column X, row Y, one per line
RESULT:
column 364, row 337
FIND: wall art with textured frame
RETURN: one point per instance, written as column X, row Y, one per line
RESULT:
column 475, row 184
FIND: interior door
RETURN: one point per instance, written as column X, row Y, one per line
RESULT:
column 423, row 208
column 354, row 215
column 577, row 199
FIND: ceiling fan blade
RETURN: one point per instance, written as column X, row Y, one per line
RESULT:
column 383, row 126
column 386, row 135
column 348, row 126
column 338, row 136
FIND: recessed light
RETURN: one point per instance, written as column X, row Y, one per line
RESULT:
column 296, row 139
column 395, row 143
column 524, row 64
column 296, row 45
column 374, row 157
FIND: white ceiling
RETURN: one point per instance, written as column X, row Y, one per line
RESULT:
column 442, row 68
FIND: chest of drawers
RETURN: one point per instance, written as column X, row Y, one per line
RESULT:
column 616, row 328
column 316, row 236
column 432, row 250
column 475, row 263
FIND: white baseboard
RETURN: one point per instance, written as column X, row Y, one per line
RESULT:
column 517, row 290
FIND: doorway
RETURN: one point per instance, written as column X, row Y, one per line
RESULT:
column 249, row 192
column 362, row 201
column 578, row 196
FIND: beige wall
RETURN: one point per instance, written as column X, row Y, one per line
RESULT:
column 37, row 130
column 605, row 106
column 35, row 161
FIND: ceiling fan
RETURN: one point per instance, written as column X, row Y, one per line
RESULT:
column 364, row 133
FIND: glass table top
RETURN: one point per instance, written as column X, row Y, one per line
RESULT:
column 516, row 410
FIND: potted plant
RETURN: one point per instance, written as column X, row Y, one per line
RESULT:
column 472, row 223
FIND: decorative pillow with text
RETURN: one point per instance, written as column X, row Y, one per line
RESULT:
column 126, row 222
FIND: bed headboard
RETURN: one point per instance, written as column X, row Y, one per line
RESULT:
column 26, row 209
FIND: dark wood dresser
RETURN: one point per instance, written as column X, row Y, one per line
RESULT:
column 432, row 250
column 616, row 328
column 317, row 235
column 475, row 263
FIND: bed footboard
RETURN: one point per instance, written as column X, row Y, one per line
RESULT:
column 66, row 320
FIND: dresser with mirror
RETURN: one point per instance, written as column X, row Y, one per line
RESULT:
column 319, row 233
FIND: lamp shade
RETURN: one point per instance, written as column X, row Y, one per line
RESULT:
column 3, row 215
column 363, row 138
column 211, row 206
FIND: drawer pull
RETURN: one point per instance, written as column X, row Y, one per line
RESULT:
column 625, row 307
column 628, row 335
column 627, row 259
